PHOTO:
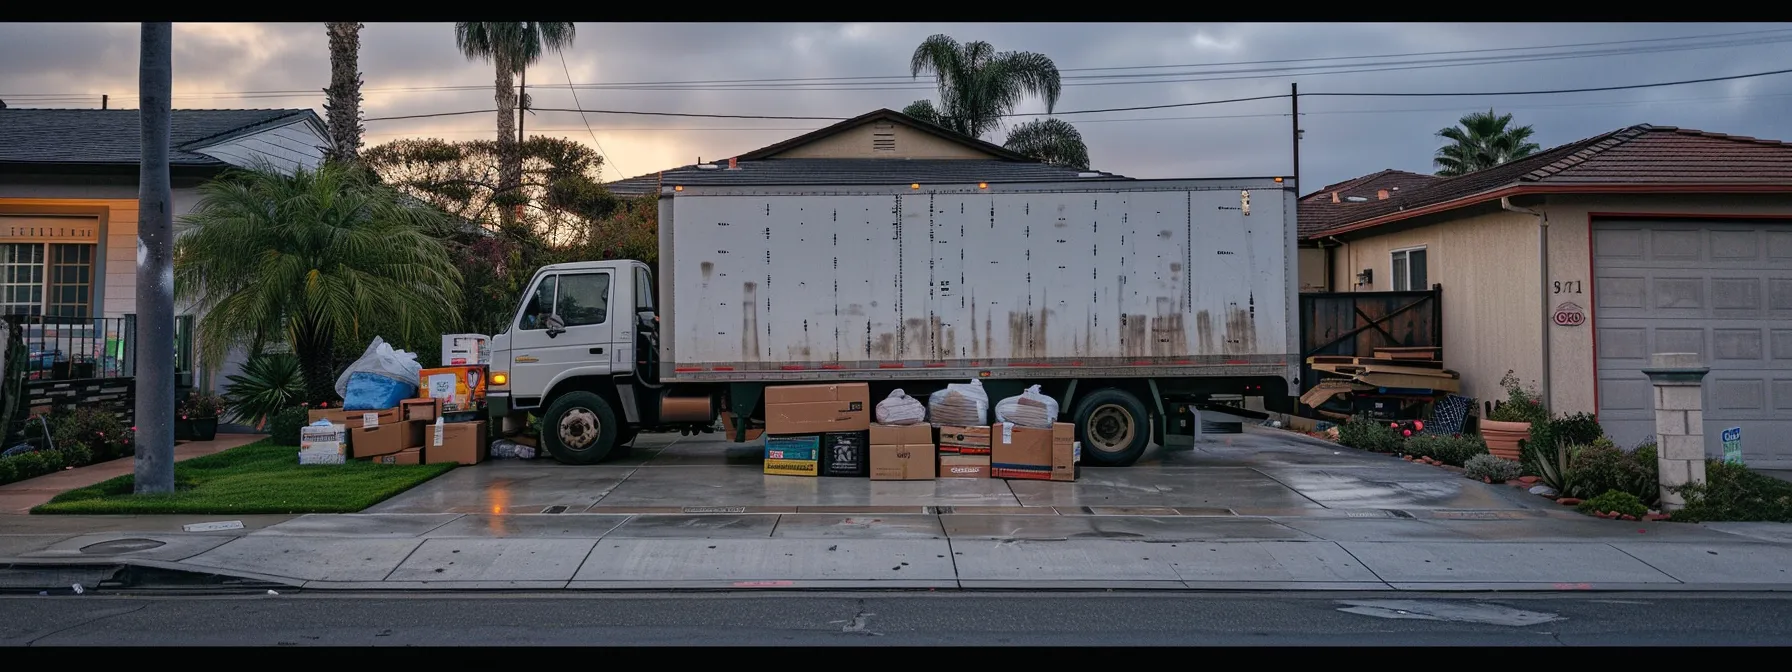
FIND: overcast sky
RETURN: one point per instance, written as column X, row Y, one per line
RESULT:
column 408, row 68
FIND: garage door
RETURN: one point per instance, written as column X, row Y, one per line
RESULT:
column 1722, row 289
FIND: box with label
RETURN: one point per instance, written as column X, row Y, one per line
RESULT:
column 965, row 440
column 323, row 444
column 1027, row 453
column 426, row 408
column 812, row 409
column 964, row 466
column 455, row 442
column 902, row 462
column 364, row 442
column 353, row 419
column 792, row 467
column 466, row 349
column 846, row 454
column 460, row 388
column 406, row 456
column 807, row 448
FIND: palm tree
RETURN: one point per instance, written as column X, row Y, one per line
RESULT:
column 154, row 468
column 978, row 86
column 310, row 259
column 343, row 103
column 511, row 46
column 1481, row 141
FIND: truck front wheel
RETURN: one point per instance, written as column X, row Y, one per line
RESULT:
column 1113, row 426
column 579, row 428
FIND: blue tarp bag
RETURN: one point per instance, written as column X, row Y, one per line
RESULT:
column 374, row 392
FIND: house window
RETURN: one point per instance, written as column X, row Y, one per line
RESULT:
column 46, row 279
column 1409, row 270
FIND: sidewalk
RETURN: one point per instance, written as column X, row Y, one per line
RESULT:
column 22, row 496
column 1435, row 550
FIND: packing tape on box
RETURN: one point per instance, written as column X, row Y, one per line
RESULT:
column 438, row 438
column 1007, row 433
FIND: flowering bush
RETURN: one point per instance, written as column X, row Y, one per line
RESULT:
column 100, row 432
column 199, row 405
column 1523, row 404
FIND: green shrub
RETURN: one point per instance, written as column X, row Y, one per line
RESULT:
column 1604, row 467
column 99, row 430
column 268, row 384
column 284, row 427
column 1363, row 433
column 1579, row 429
column 1732, row 492
column 1453, row 450
column 1489, row 467
column 1615, row 501
column 1522, row 404
column 8, row 470
column 38, row 463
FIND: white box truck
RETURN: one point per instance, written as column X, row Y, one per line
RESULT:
column 1129, row 301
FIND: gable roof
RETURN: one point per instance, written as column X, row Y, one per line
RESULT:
column 887, row 115
column 1318, row 211
column 55, row 136
column 1642, row 157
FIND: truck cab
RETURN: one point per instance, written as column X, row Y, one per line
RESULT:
column 581, row 353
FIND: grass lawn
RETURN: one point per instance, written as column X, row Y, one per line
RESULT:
column 257, row 478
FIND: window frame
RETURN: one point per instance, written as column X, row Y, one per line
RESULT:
column 1396, row 279
column 608, row 298
column 48, row 283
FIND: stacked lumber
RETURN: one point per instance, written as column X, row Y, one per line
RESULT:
column 1391, row 369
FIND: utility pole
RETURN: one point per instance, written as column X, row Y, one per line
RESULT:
column 522, row 102
column 1294, row 102
column 155, row 268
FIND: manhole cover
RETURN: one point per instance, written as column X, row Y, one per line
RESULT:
column 117, row 546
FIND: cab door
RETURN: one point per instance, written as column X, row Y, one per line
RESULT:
column 564, row 330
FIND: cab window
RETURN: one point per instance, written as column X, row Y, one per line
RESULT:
column 584, row 299
column 643, row 289
column 540, row 305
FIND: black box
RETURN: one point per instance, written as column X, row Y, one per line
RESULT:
column 846, row 454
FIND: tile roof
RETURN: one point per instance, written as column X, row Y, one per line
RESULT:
column 1641, row 155
column 114, row 136
column 1318, row 212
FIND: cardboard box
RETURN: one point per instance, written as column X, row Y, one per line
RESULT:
column 1034, row 454
column 965, row 440
column 964, row 466
column 903, row 462
column 353, row 419
column 426, row 408
column 406, row 456
column 364, row 442
column 899, row 435
column 806, row 448
column 793, row 467
column 459, row 349
column 460, row 388
column 846, row 454
column 323, row 445
column 812, row 409
column 455, row 442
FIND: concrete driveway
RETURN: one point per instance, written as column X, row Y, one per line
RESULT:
column 1262, row 472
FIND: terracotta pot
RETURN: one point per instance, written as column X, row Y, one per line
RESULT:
column 1503, row 437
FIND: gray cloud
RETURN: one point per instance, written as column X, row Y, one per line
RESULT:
column 1345, row 137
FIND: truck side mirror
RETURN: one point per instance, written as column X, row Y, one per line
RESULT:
column 555, row 325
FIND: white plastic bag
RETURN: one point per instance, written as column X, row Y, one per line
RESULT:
column 381, row 360
column 900, row 409
column 959, row 405
column 1030, row 409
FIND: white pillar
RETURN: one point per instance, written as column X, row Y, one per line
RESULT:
column 1679, row 422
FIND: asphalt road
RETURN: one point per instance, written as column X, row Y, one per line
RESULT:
column 885, row 619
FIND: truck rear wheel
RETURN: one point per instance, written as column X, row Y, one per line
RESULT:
column 1113, row 426
column 579, row 428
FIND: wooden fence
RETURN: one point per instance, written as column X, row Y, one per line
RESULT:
column 1353, row 324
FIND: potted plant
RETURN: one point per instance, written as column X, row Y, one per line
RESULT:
column 1509, row 422
column 200, row 411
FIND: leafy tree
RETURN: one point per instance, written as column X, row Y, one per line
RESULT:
column 314, row 260
column 511, row 47
column 1480, row 141
column 979, row 85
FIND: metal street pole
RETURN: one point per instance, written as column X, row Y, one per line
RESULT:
column 155, row 268
column 1294, row 100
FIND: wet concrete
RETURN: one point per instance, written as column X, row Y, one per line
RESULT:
column 1130, row 528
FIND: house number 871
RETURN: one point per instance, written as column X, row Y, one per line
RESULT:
column 1567, row 286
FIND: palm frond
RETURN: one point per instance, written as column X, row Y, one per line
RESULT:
column 1482, row 140
column 1051, row 140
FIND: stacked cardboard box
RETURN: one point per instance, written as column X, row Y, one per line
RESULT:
column 902, row 453
column 414, row 432
column 1035, row 454
column 964, row 452
column 813, row 430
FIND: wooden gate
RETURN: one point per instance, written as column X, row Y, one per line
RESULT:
column 1354, row 324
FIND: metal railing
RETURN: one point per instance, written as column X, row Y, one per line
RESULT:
column 62, row 348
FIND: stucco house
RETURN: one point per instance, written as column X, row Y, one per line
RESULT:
column 1572, row 266
column 68, row 204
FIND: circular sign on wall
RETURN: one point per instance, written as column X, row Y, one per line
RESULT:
column 1569, row 315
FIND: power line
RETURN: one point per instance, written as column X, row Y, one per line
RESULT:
column 576, row 103
column 633, row 112
column 1557, row 91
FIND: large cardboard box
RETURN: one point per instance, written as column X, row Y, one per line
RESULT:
column 323, row 445
column 846, row 454
column 406, row 456
column 1035, row 454
column 455, row 442
column 899, row 435
column 964, row 466
column 964, row 440
column 902, row 462
column 365, row 442
column 812, row 409
column 793, row 455
column 353, row 419
column 460, row 388
column 426, row 408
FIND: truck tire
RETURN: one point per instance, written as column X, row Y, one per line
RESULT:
column 579, row 428
column 1113, row 426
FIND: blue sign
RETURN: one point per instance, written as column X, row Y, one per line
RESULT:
column 1733, row 445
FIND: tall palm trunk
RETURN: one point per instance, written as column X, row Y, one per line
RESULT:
column 316, row 350
column 343, row 105
column 510, row 165
column 155, row 268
